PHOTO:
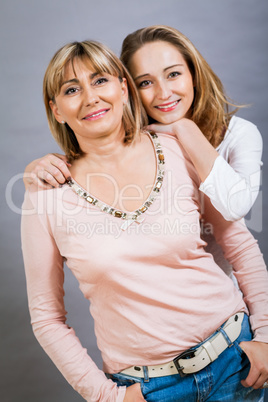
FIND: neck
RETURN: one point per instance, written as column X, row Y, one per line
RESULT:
column 108, row 149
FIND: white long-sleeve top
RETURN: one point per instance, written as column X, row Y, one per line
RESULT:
column 234, row 181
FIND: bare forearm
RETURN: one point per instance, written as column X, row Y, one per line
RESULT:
column 201, row 152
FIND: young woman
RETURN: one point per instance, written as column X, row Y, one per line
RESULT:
column 170, row 325
column 179, row 90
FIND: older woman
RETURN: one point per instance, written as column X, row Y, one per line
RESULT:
column 170, row 325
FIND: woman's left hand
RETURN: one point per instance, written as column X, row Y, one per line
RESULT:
column 176, row 129
column 257, row 353
column 163, row 128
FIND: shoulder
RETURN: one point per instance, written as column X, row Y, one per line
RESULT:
column 46, row 201
column 170, row 142
column 177, row 159
column 239, row 127
column 242, row 132
column 172, row 148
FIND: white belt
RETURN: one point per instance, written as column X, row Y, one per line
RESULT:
column 195, row 360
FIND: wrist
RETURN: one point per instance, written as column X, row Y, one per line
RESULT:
column 185, row 127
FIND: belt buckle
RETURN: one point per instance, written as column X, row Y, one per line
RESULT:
column 185, row 355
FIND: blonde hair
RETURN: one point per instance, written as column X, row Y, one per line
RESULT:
column 102, row 60
column 210, row 108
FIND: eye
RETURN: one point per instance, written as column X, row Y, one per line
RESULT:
column 70, row 91
column 101, row 80
column 174, row 74
column 144, row 84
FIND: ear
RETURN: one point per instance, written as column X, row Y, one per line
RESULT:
column 124, row 90
column 55, row 111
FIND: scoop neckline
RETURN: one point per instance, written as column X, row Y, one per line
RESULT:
column 133, row 216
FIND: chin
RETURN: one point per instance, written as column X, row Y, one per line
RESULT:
column 168, row 120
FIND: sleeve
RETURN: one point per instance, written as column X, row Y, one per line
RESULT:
column 233, row 185
column 45, row 278
column 242, row 251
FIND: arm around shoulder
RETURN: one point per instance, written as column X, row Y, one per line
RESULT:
column 46, row 172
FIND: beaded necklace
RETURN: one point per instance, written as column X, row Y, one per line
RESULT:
column 128, row 217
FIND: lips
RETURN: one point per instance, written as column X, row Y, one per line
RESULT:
column 167, row 107
column 96, row 115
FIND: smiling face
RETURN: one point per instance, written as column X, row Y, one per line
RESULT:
column 89, row 102
column 163, row 80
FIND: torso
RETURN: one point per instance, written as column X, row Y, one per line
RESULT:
column 124, row 183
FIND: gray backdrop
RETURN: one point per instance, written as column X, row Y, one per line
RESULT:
column 231, row 34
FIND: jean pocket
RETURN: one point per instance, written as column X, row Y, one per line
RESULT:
column 238, row 347
column 245, row 335
column 123, row 380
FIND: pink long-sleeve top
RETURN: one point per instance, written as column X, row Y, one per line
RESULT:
column 154, row 292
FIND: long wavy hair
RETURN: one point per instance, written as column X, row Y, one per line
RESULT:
column 210, row 108
column 102, row 60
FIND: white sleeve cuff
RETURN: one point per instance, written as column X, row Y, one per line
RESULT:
column 229, row 192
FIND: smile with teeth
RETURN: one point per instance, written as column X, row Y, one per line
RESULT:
column 168, row 106
column 100, row 113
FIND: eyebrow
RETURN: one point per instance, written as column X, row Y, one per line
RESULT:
column 76, row 80
column 165, row 69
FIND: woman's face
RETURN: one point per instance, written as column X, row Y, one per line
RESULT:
column 163, row 80
column 89, row 102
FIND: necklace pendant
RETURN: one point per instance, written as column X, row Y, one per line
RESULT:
column 129, row 222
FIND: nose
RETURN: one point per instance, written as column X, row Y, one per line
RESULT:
column 90, row 96
column 163, row 90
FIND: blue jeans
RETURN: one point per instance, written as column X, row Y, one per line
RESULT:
column 219, row 381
